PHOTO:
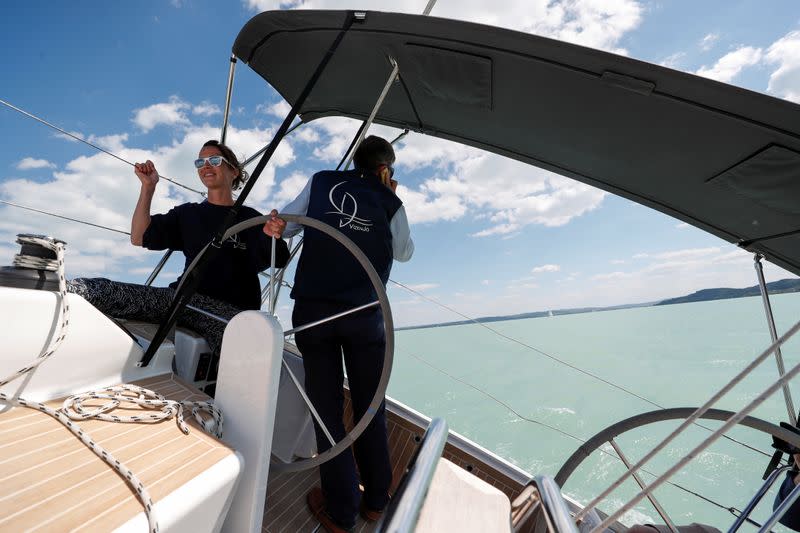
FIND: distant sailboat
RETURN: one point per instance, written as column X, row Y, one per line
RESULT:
column 550, row 313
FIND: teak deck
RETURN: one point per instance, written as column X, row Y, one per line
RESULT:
column 52, row 482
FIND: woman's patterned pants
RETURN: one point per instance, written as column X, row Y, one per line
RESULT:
column 150, row 304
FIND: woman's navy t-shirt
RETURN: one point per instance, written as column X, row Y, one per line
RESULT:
column 233, row 274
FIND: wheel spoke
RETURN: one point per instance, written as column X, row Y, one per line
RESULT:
column 660, row 510
column 271, row 305
column 329, row 319
column 310, row 405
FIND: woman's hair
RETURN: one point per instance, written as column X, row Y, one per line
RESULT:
column 228, row 154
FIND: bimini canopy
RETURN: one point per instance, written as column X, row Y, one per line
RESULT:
column 721, row 158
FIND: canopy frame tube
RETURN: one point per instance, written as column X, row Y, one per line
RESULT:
column 224, row 132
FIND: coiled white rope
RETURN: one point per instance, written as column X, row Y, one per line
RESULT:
column 139, row 396
column 73, row 408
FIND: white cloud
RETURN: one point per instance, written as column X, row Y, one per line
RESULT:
column 708, row 42
column 172, row 113
column 674, row 61
column 306, row 135
column 66, row 137
column 279, row 109
column 112, row 143
column 689, row 253
column 269, row 5
column 507, row 194
column 289, row 188
column 678, row 272
column 103, row 190
column 732, row 63
column 206, row 109
column 682, row 225
column 785, row 81
column 335, row 133
column 545, row 268
column 423, row 286
column 595, row 23
column 610, row 276
column 30, row 163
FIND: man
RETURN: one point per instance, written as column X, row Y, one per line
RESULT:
column 361, row 203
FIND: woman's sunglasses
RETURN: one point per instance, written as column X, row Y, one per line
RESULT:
column 214, row 161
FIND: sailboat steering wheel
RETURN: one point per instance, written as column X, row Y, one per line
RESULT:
column 608, row 434
column 382, row 302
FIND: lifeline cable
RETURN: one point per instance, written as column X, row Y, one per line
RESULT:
column 77, row 138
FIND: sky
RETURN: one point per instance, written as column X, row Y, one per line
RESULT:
column 146, row 80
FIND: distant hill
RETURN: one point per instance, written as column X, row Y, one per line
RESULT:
column 776, row 287
column 534, row 314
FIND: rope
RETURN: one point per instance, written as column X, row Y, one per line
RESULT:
column 77, row 138
column 73, row 408
column 120, row 395
column 733, row 510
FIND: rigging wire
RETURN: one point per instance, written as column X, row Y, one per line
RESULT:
column 733, row 510
column 565, row 363
column 65, row 218
column 77, row 138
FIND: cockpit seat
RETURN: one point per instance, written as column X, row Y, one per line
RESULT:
column 460, row 501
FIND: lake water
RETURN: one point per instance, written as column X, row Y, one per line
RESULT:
column 674, row 356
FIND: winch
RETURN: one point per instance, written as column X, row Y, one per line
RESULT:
column 34, row 266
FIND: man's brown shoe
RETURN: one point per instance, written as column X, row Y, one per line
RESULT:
column 370, row 515
column 316, row 502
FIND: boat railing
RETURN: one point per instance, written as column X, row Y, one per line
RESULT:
column 553, row 507
column 779, row 511
column 405, row 508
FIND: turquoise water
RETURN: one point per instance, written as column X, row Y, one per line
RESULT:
column 674, row 356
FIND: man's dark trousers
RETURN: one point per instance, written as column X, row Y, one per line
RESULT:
column 361, row 339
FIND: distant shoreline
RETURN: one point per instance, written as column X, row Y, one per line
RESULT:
column 704, row 295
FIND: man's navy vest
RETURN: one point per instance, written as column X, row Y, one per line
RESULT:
column 360, row 206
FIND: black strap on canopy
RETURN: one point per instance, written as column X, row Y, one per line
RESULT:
column 192, row 277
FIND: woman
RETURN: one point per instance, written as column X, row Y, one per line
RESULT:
column 230, row 283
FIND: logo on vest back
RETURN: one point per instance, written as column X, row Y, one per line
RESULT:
column 347, row 209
